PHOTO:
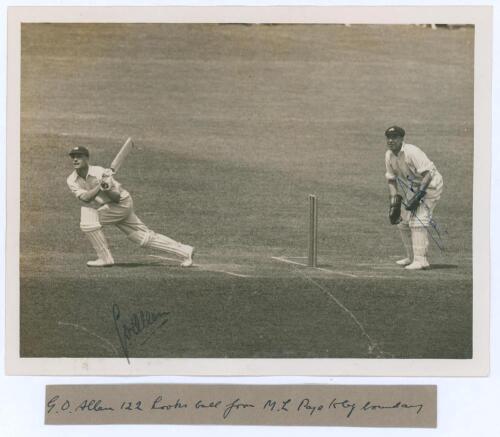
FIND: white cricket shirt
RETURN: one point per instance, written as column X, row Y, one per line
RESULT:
column 79, row 186
column 407, row 167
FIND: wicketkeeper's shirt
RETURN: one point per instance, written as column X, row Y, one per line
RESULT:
column 80, row 186
column 407, row 168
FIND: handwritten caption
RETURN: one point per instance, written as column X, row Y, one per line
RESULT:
column 266, row 405
column 304, row 405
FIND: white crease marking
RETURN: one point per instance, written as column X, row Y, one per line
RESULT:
column 352, row 275
column 165, row 257
column 336, row 272
column 74, row 325
column 387, row 267
column 372, row 345
column 383, row 277
column 279, row 258
column 239, row 275
column 374, row 265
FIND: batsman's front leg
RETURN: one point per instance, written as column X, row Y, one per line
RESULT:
column 91, row 227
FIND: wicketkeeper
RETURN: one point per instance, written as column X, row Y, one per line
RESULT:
column 106, row 202
column 415, row 187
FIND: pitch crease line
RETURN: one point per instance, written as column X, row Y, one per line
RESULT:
column 372, row 345
column 278, row 258
column 239, row 275
column 165, row 257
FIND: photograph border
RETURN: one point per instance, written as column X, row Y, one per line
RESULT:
column 479, row 16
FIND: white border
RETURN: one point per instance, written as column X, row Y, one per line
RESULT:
column 481, row 17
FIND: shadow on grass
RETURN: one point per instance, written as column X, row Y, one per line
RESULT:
column 443, row 266
column 146, row 264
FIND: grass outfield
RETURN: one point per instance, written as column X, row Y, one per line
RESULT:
column 237, row 125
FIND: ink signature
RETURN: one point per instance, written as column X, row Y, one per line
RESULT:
column 137, row 325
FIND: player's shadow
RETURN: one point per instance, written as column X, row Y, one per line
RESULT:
column 136, row 264
column 443, row 266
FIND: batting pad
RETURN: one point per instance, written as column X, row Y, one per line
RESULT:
column 158, row 241
column 100, row 245
column 89, row 219
column 166, row 244
column 405, row 232
column 420, row 241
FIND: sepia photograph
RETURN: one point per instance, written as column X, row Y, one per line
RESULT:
column 247, row 190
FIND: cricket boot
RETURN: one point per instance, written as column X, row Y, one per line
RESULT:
column 188, row 262
column 99, row 263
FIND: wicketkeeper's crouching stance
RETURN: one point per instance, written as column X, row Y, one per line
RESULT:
column 107, row 203
column 415, row 187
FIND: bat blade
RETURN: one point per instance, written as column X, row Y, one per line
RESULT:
column 122, row 155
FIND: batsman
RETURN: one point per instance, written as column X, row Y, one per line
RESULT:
column 105, row 202
column 415, row 186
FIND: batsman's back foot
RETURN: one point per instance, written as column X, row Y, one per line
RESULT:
column 188, row 262
column 100, row 263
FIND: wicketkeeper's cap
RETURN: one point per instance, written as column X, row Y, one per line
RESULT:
column 79, row 150
column 395, row 131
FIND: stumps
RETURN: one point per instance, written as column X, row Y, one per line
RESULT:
column 313, row 231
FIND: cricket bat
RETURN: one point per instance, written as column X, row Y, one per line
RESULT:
column 122, row 155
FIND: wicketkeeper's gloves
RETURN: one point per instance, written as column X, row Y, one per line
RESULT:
column 414, row 202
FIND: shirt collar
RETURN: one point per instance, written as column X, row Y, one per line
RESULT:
column 72, row 177
column 400, row 150
column 92, row 172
